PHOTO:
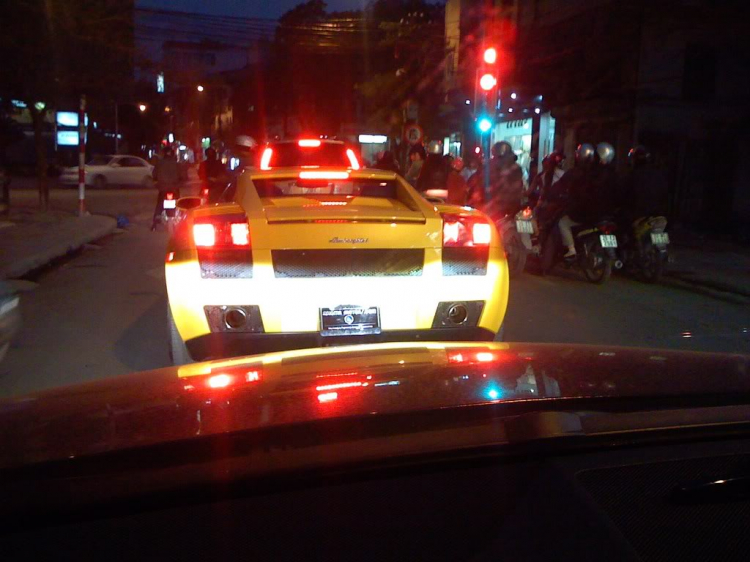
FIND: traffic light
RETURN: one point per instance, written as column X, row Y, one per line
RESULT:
column 485, row 124
column 486, row 89
column 487, row 82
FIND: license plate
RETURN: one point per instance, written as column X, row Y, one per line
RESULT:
column 349, row 321
column 525, row 227
column 660, row 238
column 170, row 204
column 608, row 240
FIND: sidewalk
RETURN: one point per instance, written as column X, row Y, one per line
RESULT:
column 29, row 240
column 711, row 264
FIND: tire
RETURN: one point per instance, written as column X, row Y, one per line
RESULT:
column 515, row 253
column 178, row 351
column 100, row 182
column 600, row 274
column 652, row 264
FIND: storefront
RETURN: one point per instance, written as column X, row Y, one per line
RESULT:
column 521, row 135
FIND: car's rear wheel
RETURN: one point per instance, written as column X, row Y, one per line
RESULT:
column 178, row 351
column 100, row 182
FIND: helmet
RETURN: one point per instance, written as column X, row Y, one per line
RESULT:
column 435, row 147
column 605, row 153
column 501, row 149
column 639, row 156
column 246, row 141
column 585, row 153
column 554, row 158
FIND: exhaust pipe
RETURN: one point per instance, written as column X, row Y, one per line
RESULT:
column 235, row 318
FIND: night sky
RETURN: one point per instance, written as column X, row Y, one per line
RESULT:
column 244, row 8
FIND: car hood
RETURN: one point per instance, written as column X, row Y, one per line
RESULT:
column 183, row 403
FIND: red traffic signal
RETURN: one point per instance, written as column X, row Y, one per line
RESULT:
column 490, row 55
column 487, row 82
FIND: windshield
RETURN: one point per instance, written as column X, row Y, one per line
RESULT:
column 100, row 160
column 314, row 153
column 326, row 179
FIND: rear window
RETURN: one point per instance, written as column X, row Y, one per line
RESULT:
column 292, row 155
column 100, row 160
column 308, row 188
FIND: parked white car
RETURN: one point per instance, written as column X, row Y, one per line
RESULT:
column 104, row 171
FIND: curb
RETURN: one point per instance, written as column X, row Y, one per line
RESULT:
column 97, row 227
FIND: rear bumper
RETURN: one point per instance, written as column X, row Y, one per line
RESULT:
column 220, row 345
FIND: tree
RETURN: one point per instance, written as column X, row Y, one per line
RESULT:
column 55, row 51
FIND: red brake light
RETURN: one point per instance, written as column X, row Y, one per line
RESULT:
column 170, row 196
column 309, row 143
column 353, row 162
column 240, row 234
column 265, row 159
column 219, row 381
column 321, row 175
column 204, row 235
column 459, row 230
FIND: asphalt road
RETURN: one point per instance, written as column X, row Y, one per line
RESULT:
column 102, row 313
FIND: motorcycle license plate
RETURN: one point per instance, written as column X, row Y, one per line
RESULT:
column 608, row 240
column 525, row 227
column 659, row 238
column 170, row 204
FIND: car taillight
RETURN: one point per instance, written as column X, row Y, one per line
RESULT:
column 459, row 230
column 323, row 175
column 265, row 159
column 204, row 235
column 222, row 231
column 353, row 162
column 228, row 378
column 170, row 196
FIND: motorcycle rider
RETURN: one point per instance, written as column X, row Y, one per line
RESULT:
column 644, row 191
column 386, row 161
column 246, row 150
column 434, row 173
column 506, row 183
column 417, row 157
column 213, row 173
column 581, row 207
column 455, row 183
column 167, row 176
column 552, row 172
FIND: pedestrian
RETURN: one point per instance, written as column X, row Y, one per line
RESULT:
column 456, row 184
column 167, row 176
column 434, row 172
column 387, row 162
column 417, row 157
column 506, row 182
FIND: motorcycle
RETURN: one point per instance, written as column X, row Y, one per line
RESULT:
column 596, row 247
column 515, row 232
column 644, row 249
column 169, row 209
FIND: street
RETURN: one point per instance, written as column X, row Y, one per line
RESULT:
column 102, row 312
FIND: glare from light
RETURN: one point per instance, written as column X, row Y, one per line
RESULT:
column 319, row 175
column 337, row 386
column 537, row 110
column 240, row 234
column 510, row 110
column 309, row 143
column 487, row 82
column 484, row 125
column 204, row 235
column 481, row 232
column 142, row 107
column 485, row 357
column 468, row 102
column 200, row 88
column 327, row 397
column 170, row 137
column 490, row 55
column 252, row 376
column 265, row 160
column 353, row 162
column 493, row 394
column 513, row 96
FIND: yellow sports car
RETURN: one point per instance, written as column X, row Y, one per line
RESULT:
column 310, row 251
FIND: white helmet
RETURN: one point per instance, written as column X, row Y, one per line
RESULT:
column 246, row 141
column 435, row 147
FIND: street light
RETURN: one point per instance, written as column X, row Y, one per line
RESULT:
column 200, row 88
column 142, row 107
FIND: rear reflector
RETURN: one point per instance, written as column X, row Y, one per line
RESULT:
column 309, row 143
column 353, row 162
column 265, row 159
column 319, row 175
column 204, row 235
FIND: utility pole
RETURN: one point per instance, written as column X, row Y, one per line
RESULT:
column 82, row 157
